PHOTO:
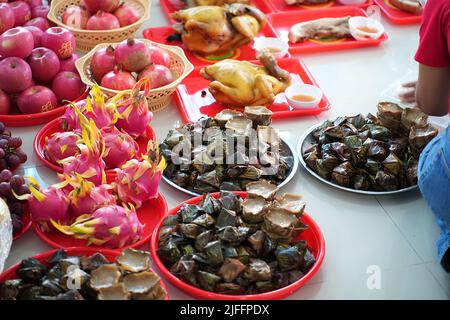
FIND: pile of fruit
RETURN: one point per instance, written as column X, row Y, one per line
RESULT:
column 32, row 14
column 118, row 123
column 37, row 62
column 100, row 15
column 121, row 67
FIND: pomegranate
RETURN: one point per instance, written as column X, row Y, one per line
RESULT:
column 40, row 11
column 103, row 21
column 5, row 102
column 60, row 40
column 126, row 15
column 159, row 56
column 7, row 19
column 36, row 99
column 16, row 42
column 158, row 75
column 41, row 23
column 37, row 35
column 118, row 80
column 132, row 55
column 69, row 64
column 103, row 61
column 101, row 5
column 34, row 3
column 16, row 75
column 22, row 12
column 44, row 64
column 67, row 85
column 76, row 17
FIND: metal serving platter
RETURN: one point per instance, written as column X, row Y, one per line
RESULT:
column 308, row 139
column 291, row 172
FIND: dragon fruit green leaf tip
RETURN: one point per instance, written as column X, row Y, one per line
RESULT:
column 112, row 226
column 138, row 180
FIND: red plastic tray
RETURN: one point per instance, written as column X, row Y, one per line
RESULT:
column 151, row 212
column 17, row 119
column 397, row 16
column 55, row 126
column 281, row 6
column 111, row 255
column 245, row 52
column 263, row 5
column 193, row 105
column 282, row 23
column 26, row 223
column 313, row 236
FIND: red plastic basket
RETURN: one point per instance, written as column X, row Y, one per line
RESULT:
column 193, row 104
column 111, row 255
column 313, row 236
column 397, row 16
column 282, row 23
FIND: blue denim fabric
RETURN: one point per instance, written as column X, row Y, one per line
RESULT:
column 434, row 183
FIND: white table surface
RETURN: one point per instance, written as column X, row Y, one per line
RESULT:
column 396, row 234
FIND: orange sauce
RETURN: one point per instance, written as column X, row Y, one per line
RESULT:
column 273, row 50
column 367, row 29
column 303, row 98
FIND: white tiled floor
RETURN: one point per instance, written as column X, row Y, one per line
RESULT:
column 396, row 234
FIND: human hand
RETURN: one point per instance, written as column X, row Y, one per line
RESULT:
column 407, row 92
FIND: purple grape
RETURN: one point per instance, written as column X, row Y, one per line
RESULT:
column 3, row 164
column 22, row 190
column 2, row 153
column 4, row 143
column 5, row 189
column 17, row 223
column 15, row 142
column 13, row 160
column 22, row 155
column 2, row 127
column 5, row 175
column 16, row 208
column 16, row 182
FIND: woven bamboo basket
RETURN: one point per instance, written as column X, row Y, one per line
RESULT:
column 87, row 39
column 158, row 98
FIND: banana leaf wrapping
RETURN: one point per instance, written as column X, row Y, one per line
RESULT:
column 373, row 153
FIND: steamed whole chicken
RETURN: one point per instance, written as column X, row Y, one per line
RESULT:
column 319, row 29
column 241, row 83
column 215, row 29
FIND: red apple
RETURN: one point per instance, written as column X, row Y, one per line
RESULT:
column 60, row 40
column 69, row 63
column 16, row 42
column 34, row 3
column 36, row 99
column 7, row 19
column 37, row 35
column 67, row 86
column 40, row 11
column 158, row 75
column 5, row 102
column 16, row 75
column 159, row 56
column 44, row 64
column 41, row 23
column 22, row 12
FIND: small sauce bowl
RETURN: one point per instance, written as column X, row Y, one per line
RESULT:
column 277, row 47
column 303, row 96
column 364, row 28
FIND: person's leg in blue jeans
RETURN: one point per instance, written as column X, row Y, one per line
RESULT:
column 434, row 183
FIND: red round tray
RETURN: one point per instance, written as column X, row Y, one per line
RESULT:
column 26, row 222
column 55, row 126
column 151, row 212
column 313, row 236
column 111, row 255
column 24, row 120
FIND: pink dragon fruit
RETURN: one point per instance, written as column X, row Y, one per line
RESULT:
column 112, row 226
column 61, row 145
column 119, row 147
column 85, row 197
column 70, row 120
column 134, row 114
column 89, row 163
column 47, row 204
column 94, row 107
column 138, row 181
